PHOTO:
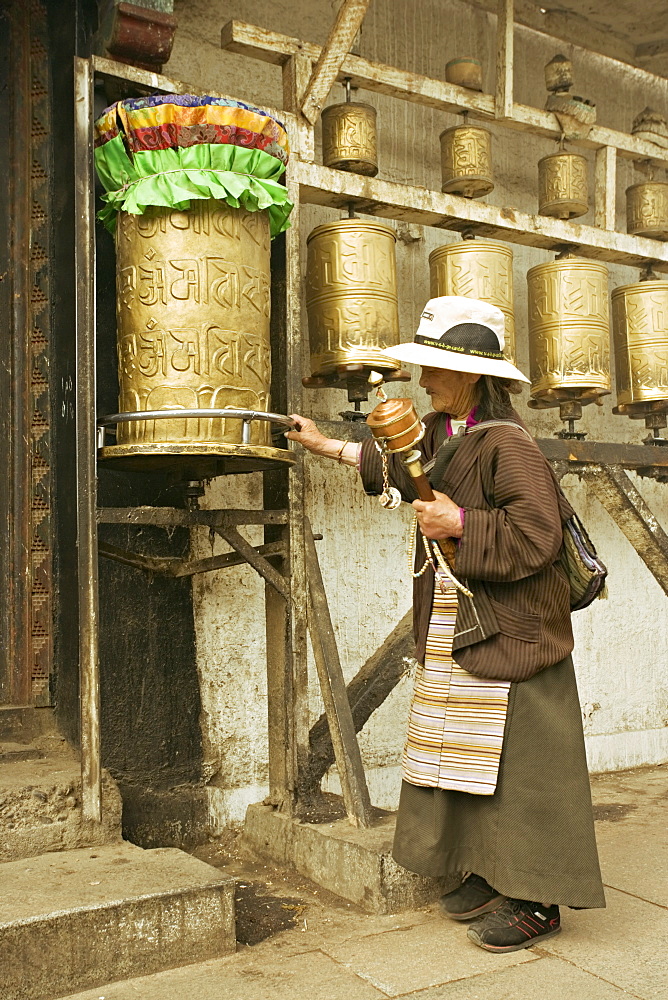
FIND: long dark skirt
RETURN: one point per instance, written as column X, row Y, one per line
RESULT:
column 534, row 838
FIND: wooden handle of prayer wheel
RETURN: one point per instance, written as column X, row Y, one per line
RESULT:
column 413, row 463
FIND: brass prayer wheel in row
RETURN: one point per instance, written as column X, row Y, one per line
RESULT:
column 569, row 331
column 477, row 269
column 193, row 309
column 562, row 185
column 351, row 295
column 349, row 138
column 647, row 210
column 640, row 337
column 466, row 161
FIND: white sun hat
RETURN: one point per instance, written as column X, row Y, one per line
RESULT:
column 462, row 335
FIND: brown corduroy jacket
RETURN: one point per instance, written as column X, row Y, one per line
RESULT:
column 518, row 621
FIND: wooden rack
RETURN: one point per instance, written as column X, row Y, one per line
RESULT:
column 309, row 72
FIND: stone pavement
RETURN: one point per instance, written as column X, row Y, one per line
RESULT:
column 334, row 952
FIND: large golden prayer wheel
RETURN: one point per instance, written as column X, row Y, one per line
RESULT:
column 477, row 269
column 647, row 210
column 569, row 339
column 466, row 161
column 640, row 337
column 349, row 138
column 351, row 296
column 562, row 185
column 193, row 333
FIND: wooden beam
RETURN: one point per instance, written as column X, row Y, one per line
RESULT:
column 613, row 488
column 334, row 695
column 366, row 692
column 176, row 567
column 296, row 75
column 505, row 30
column 236, row 540
column 605, row 188
column 386, row 199
column 275, row 48
column 346, row 25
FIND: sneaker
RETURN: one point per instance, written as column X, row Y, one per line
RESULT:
column 473, row 898
column 514, row 925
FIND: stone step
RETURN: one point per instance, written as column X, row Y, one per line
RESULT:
column 75, row 920
column 40, row 805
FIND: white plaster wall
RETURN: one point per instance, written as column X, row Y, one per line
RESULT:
column 621, row 642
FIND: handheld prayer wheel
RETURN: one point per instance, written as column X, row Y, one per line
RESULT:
column 193, row 283
column 562, row 185
column 477, row 269
column 466, row 161
column 569, row 353
column 464, row 72
column 351, row 301
column 349, row 138
column 640, row 338
column 397, row 428
column 647, row 210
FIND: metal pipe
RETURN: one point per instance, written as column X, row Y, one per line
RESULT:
column 87, row 568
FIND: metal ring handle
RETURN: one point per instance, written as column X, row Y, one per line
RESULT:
column 229, row 413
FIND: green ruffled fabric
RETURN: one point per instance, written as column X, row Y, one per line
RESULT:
column 171, row 178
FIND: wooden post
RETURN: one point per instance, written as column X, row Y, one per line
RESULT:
column 287, row 669
column 346, row 25
column 89, row 669
column 334, row 694
column 605, row 188
column 504, row 59
column 296, row 75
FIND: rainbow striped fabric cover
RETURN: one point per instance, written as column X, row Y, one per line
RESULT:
column 165, row 150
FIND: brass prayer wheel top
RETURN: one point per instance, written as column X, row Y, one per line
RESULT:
column 477, row 269
column 647, row 210
column 569, row 350
column 466, row 161
column 464, row 72
column 396, row 424
column 349, row 138
column 351, row 296
column 640, row 337
column 562, row 185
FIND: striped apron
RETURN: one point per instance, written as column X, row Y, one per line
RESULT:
column 456, row 722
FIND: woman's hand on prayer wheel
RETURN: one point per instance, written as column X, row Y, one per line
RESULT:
column 439, row 518
column 307, row 434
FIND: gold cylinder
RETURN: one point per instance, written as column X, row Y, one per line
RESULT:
column 640, row 337
column 193, row 329
column 351, row 295
column 466, row 161
column 569, row 338
column 647, row 210
column 464, row 72
column 349, row 138
column 562, row 185
column 477, row 269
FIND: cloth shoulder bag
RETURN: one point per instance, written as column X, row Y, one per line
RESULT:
column 585, row 572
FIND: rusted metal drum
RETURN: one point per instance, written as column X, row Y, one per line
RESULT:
column 477, row 269
column 464, row 72
column 349, row 138
column 569, row 335
column 193, row 331
column 640, row 337
column 647, row 210
column 351, row 295
column 466, row 161
column 563, row 191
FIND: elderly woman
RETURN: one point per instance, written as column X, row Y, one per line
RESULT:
column 495, row 783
